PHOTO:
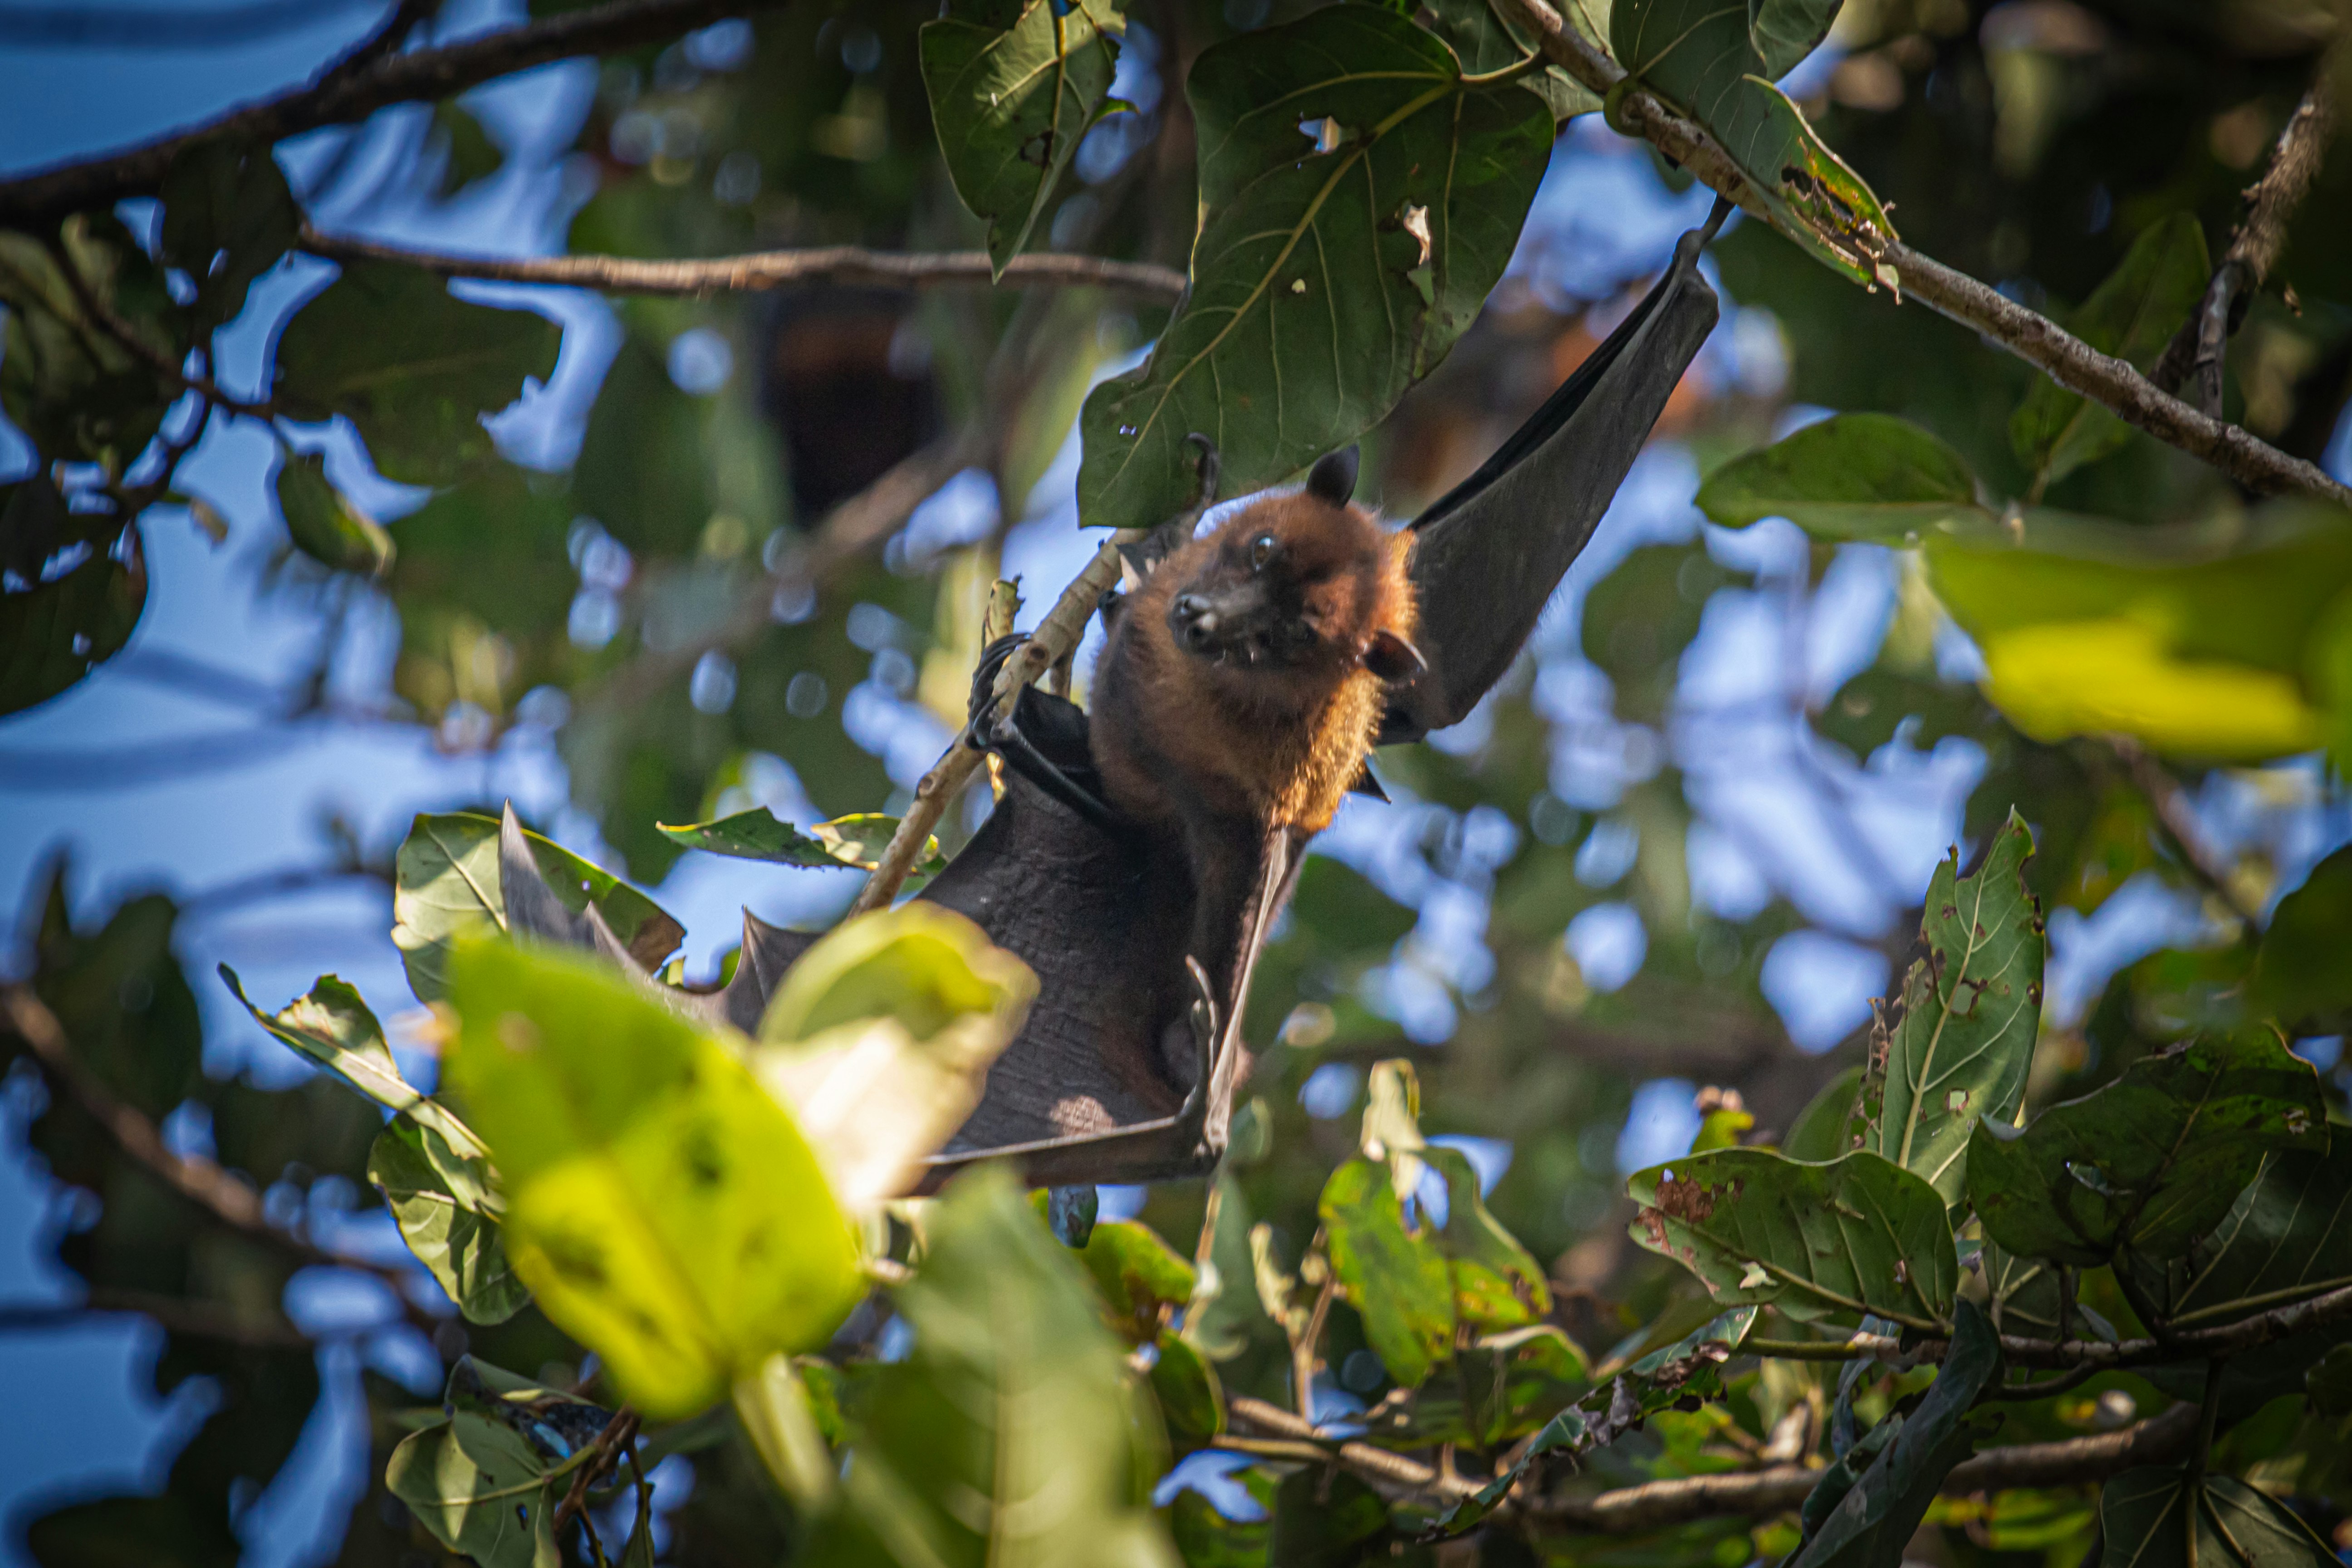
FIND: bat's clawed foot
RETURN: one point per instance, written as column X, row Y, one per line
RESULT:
column 983, row 688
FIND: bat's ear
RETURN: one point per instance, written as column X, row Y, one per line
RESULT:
column 1390, row 657
column 1333, row 478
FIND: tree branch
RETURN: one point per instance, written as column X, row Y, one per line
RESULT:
column 200, row 1180
column 2170, row 803
column 1055, row 635
column 769, row 269
column 1760, row 1493
column 2254, row 249
column 2065, row 359
column 198, row 1320
column 337, row 99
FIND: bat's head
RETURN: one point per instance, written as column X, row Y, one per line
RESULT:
column 1303, row 582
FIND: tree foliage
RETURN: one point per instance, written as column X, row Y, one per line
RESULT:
column 1987, row 1235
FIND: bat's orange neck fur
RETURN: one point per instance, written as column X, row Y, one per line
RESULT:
column 1277, row 739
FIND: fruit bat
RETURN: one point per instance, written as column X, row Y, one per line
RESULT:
column 1144, row 942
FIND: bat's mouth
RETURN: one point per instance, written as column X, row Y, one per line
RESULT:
column 1221, row 631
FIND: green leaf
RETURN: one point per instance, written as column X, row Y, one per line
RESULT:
column 2198, row 646
column 1487, row 36
column 1498, row 1284
column 54, row 633
column 1207, row 1539
column 1823, row 1131
column 1701, row 57
column 664, row 1210
column 756, row 834
column 481, row 1489
column 1397, row 1280
column 334, row 1028
column 1314, row 301
column 777, row 1409
column 1014, row 1394
column 1013, row 86
column 2151, row 1161
column 1962, row 1036
column 412, row 365
column 2301, row 978
column 1138, row 1274
column 1499, row 1387
column 447, row 1205
column 228, row 217
column 324, row 524
column 1852, row 476
column 880, row 1039
column 1869, row 1525
column 2132, row 316
column 1186, row 1384
column 75, row 390
column 1223, row 1306
column 2144, row 1519
column 1783, row 32
column 445, row 886
column 1858, row 1235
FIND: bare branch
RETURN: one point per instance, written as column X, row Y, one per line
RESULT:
column 1297, row 1438
column 2254, row 249
column 198, row 1320
column 2171, row 803
column 392, row 79
column 1761, row 1493
column 761, row 271
column 2065, row 359
column 202, row 1182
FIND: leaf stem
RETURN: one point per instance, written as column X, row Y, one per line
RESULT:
column 1517, row 72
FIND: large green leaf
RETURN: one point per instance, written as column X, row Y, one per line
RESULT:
column 2303, row 974
column 1014, row 86
column 1323, row 283
column 1497, row 1283
column 324, row 523
column 414, row 366
column 1823, row 1131
column 1497, row 1387
column 1009, row 1434
column 662, row 1208
column 2199, row 641
column 1851, row 476
column 1858, row 1235
column 447, row 1205
column 1962, row 1038
column 2143, row 1518
column 333, row 1026
column 756, row 834
column 2132, row 315
column 1869, row 1525
column 1396, row 1278
column 228, row 217
column 880, row 1039
column 445, row 886
column 1701, row 57
column 70, row 385
column 489, row 1499
column 2153, row 1159
column 54, row 633
column 1139, row 1275
column 1783, row 32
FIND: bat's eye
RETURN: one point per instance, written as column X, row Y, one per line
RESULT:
column 1263, row 548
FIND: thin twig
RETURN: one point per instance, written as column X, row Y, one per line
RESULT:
column 1057, row 634
column 1376, row 1464
column 759, row 271
column 385, row 41
column 2172, row 805
column 2254, row 249
column 32, row 200
column 603, row 1455
column 200, row 1180
column 113, row 324
column 2073, row 364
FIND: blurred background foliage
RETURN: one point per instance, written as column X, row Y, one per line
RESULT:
column 1680, row 846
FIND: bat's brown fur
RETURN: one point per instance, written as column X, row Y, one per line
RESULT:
column 1273, row 726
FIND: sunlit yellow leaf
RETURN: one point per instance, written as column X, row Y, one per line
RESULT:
column 2118, row 676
